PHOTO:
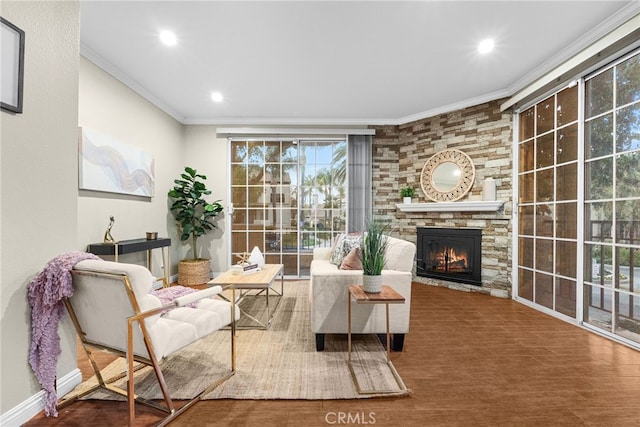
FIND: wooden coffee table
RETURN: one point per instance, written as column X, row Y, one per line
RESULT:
column 253, row 284
column 387, row 296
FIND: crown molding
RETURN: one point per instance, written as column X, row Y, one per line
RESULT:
column 353, row 122
column 608, row 26
column 453, row 107
column 282, row 132
column 597, row 39
column 120, row 75
column 257, row 121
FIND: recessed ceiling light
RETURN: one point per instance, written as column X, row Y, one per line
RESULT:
column 486, row 46
column 168, row 38
column 217, row 97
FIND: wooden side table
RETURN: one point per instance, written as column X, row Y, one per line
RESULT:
column 387, row 296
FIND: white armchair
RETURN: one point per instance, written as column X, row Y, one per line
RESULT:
column 112, row 310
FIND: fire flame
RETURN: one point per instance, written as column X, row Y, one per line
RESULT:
column 451, row 259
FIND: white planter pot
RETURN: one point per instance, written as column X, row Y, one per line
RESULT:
column 372, row 284
column 406, row 200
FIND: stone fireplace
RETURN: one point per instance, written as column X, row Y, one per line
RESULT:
column 485, row 134
column 453, row 254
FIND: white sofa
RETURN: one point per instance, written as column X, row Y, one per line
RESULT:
column 328, row 295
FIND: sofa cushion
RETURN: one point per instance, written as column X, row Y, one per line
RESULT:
column 399, row 255
column 352, row 260
column 344, row 244
column 335, row 253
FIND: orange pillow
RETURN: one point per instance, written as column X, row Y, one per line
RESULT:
column 352, row 260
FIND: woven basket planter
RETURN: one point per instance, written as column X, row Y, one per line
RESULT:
column 193, row 272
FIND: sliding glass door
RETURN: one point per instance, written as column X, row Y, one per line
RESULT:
column 547, row 202
column 288, row 197
column 582, row 159
column 612, row 199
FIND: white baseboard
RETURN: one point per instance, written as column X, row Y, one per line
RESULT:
column 31, row 407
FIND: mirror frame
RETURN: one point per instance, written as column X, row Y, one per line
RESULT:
column 467, row 176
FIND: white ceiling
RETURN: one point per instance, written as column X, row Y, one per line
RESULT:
column 335, row 62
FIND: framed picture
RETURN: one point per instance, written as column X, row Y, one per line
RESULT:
column 12, row 63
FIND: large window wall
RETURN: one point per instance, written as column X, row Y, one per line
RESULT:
column 578, row 168
column 289, row 196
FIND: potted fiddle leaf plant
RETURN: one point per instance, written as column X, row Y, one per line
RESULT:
column 372, row 248
column 407, row 193
column 195, row 217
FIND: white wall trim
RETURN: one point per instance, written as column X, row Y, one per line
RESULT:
column 515, row 190
column 31, row 407
column 120, row 75
column 241, row 131
column 265, row 121
column 503, row 93
column 610, row 32
column 464, row 206
column 471, row 102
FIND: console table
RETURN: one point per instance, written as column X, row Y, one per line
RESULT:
column 135, row 245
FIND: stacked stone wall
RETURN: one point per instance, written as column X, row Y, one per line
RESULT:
column 485, row 134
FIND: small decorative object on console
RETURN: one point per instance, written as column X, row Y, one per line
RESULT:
column 256, row 257
column 107, row 234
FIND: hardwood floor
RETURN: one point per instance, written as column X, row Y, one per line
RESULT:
column 470, row 360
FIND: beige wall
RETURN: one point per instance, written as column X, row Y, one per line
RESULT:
column 109, row 107
column 39, row 152
column 38, row 182
column 209, row 155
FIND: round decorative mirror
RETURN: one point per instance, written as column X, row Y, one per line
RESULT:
column 447, row 176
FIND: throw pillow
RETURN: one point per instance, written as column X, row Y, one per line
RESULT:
column 352, row 260
column 343, row 247
column 336, row 252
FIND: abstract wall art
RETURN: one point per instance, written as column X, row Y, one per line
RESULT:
column 109, row 165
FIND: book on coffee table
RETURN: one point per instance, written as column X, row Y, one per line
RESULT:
column 242, row 269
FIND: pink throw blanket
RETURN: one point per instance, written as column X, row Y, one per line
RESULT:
column 46, row 292
column 167, row 295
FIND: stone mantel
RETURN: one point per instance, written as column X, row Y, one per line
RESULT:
column 466, row 206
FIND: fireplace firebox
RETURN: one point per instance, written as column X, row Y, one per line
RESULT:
column 453, row 254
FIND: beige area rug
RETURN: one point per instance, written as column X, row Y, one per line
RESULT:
column 278, row 363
